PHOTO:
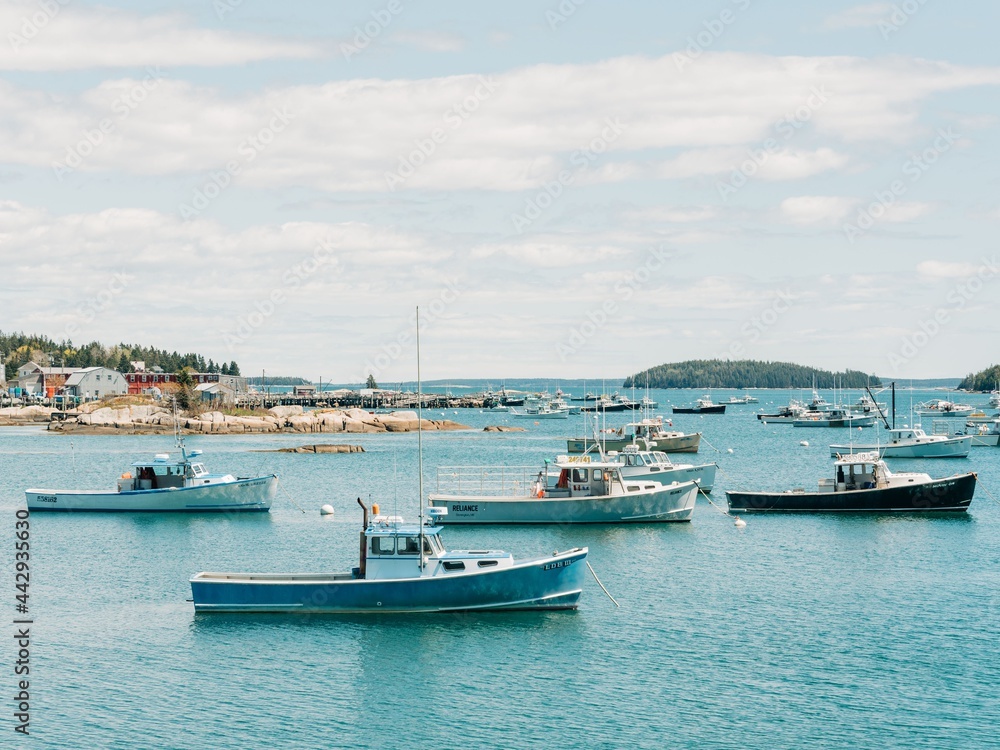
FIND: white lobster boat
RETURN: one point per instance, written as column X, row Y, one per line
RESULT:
column 178, row 484
column 912, row 442
column 657, row 466
column 563, row 492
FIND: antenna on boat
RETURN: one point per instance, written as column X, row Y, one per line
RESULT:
column 178, row 440
column 420, row 445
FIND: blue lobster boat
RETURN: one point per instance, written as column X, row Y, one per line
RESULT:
column 404, row 568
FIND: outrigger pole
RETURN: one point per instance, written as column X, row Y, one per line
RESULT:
column 420, row 449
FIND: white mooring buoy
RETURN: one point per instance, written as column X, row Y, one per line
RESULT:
column 804, row 443
column 326, row 510
column 739, row 523
column 729, row 450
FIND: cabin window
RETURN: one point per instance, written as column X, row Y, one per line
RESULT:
column 596, row 475
column 383, row 545
column 454, row 565
column 579, row 475
column 408, row 545
column 634, row 488
column 487, row 563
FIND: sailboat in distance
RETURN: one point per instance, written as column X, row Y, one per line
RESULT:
column 404, row 568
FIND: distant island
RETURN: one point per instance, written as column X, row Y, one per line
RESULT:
column 746, row 373
column 985, row 380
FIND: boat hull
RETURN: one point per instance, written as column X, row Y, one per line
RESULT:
column 951, row 448
column 543, row 583
column 704, row 475
column 608, row 408
column 670, row 503
column 834, row 422
column 948, row 494
column 716, row 409
column 981, row 441
column 242, row 495
column 677, row 444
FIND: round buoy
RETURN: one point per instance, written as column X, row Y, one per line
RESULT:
column 739, row 523
column 804, row 443
column 326, row 510
column 729, row 450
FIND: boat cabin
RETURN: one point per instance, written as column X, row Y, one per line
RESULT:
column 631, row 456
column 164, row 473
column 578, row 476
column 859, row 471
column 391, row 549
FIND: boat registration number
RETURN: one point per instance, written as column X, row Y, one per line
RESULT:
column 554, row 565
column 46, row 499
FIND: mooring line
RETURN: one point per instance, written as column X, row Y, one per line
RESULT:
column 709, row 444
column 292, row 499
column 714, row 505
column 988, row 493
column 601, row 584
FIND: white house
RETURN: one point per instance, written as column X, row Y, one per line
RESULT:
column 96, row 382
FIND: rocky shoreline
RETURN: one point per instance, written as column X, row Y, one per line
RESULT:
column 143, row 419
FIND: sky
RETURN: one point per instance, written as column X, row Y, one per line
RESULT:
column 575, row 189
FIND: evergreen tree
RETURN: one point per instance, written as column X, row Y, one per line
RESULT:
column 371, row 382
column 234, row 369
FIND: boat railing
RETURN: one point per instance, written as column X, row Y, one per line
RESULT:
column 487, row 480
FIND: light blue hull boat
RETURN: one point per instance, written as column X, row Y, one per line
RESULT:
column 544, row 583
column 395, row 577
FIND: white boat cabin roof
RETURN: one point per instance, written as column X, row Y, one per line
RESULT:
column 854, row 459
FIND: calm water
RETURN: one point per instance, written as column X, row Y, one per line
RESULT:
column 794, row 632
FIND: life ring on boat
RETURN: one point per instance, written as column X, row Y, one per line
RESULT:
column 540, row 492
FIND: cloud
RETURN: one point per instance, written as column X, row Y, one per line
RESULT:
column 816, row 209
column 859, row 16
column 604, row 122
column 830, row 209
column 60, row 36
column 939, row 269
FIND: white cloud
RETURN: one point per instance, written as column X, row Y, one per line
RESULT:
column 816, row 209
column 62, row 36
column 603, row 122
column 859, row 16
column 940, row 269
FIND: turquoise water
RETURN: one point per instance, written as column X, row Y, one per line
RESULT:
column 796, row 631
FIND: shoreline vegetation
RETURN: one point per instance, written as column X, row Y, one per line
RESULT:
column 131, row 415
column 746, row 373
column 984, row 380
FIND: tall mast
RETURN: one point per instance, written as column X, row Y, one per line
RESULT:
column 420, row 445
